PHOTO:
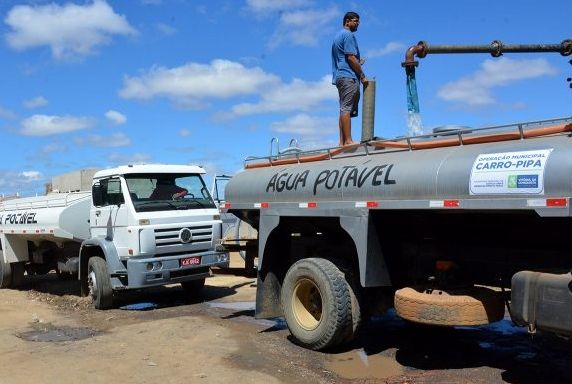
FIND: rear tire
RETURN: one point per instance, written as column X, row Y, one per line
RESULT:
column 18, row 270
column 193, row 287
column 317, row 303
column 5, row 273
column 473, row 306
column 99, row 283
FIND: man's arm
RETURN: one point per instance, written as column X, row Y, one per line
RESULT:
column 356, row 66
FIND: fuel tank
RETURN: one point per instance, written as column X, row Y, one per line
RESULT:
column 533, row 167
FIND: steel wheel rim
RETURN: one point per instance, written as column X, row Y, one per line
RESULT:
column 307, row 304
column 92, row 284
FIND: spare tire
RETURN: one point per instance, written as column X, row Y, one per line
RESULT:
column 461, row 307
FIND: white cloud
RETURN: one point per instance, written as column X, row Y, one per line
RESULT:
column 115, row 117
column 189, row 85
column 308, row 126
column 7, row 114
column 69, row 30
column 184, row 133
column 136, row 158
column 389, row 48
column 114, row 140
column 36, row 102
column 265, row 6
column 298, row 95
column 23, row 183
column 31, row 176
column 475, row 90
column 165, row 29
column 304, row 27
column 52, row 148
column 45, row 125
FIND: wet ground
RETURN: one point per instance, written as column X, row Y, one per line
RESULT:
column 46, row 319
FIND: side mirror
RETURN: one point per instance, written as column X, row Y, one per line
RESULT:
column 119, row 199
column 97, row 195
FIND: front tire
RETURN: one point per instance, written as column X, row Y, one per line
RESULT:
column 99, row 283
column 317, row 303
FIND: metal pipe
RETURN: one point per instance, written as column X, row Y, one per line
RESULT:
column 368, row 111
column 496, row 49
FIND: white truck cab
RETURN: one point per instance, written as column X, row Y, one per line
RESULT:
column 141, row 226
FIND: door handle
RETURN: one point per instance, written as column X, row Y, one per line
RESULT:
column 97, row 213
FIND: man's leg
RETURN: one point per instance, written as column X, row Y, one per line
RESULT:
column 346, row 129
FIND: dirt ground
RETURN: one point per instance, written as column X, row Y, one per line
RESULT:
column 48, row 334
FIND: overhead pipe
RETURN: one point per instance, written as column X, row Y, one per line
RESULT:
column 496, row 48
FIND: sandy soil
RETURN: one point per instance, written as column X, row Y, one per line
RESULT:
column 48, row 334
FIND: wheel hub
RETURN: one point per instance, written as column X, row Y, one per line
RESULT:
column 307, row 304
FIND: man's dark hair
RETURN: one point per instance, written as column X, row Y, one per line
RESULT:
column 350, row 15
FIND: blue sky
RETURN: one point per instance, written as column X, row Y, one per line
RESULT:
column 101, row 83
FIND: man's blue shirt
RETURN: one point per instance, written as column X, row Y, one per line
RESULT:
column 345, row 43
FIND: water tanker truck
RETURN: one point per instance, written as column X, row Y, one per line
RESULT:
column 446, row 228
column 139, row 226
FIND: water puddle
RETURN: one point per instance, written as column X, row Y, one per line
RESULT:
column 238, row 305
column 46, row 332
column 358, row 365
column 246, row 310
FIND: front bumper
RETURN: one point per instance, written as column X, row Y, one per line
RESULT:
column 154, row 271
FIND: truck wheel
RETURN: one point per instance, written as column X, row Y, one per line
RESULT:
column 18, row 270
column 473, row 306
column 193, row 287
column 99, row 283
column 5, row 273
column 317, row 303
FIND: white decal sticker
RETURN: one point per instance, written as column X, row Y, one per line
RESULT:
column 509, row 172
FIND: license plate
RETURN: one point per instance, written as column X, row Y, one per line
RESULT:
column 195, row 260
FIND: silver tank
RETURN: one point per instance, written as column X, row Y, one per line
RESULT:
column 391, row 174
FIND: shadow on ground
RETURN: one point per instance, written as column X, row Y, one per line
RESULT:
column 161, row 297
column 520, row 357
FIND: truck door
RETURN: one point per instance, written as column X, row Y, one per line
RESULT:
column 108, row 215
column 229, row 221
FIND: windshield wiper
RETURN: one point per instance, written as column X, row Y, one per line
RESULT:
column 192, row 201
column 142, row 203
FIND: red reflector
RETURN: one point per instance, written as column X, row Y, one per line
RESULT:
column 264, row 205
column 451, row 203
column 227, row 205
column 372, row 204
column 556, row 202
column 312, row 204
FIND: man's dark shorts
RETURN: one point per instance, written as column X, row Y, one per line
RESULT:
column 348, row 90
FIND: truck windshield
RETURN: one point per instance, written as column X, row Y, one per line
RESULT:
column 165, row 192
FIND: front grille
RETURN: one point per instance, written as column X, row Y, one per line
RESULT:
column 168, row 237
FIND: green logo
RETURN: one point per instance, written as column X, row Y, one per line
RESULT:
column 512, row 181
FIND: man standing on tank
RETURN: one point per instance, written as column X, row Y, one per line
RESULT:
column 347, row 73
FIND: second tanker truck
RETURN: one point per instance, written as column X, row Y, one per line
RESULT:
column 139, row 226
